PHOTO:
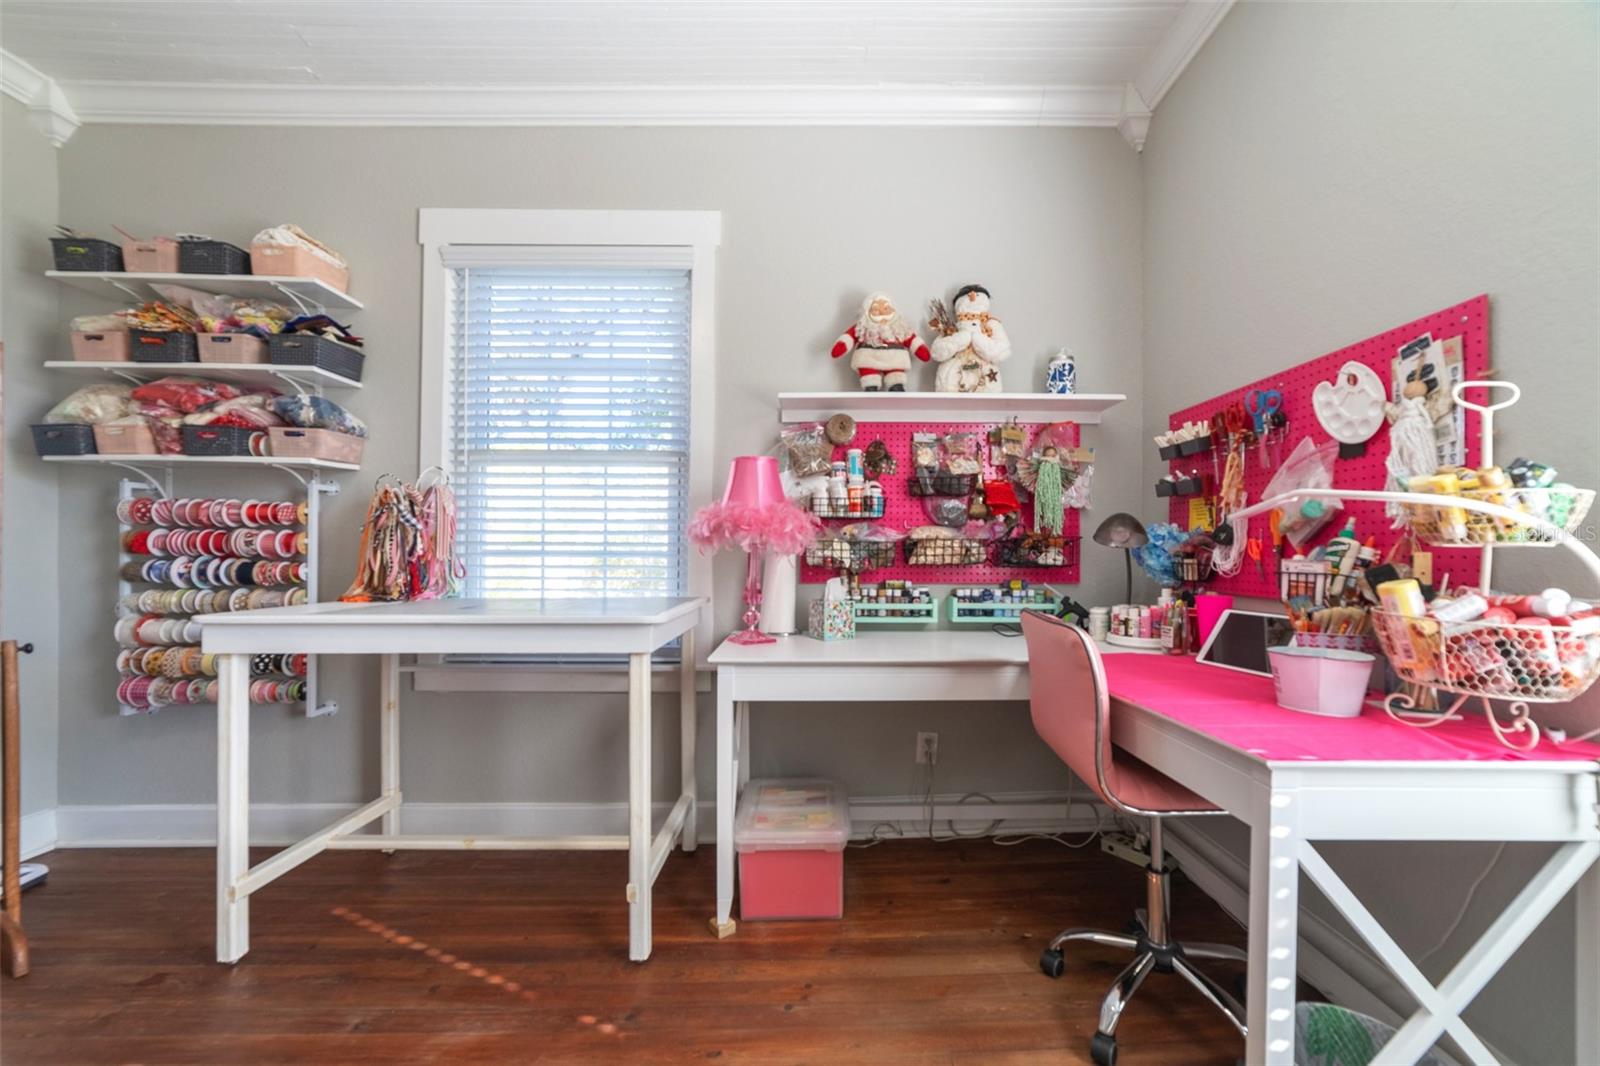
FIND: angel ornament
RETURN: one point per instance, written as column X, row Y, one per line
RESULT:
column 971, row 345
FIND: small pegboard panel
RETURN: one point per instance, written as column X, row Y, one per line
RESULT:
column 903, row 511
column 1469, row 321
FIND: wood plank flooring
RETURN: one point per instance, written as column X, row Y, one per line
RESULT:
column 521, row 958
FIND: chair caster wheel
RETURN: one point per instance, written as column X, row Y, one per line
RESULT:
column 1133, row 927
column 1103, row 1049
column 1052, row 962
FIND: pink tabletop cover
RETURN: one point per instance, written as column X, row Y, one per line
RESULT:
column 1241, row 711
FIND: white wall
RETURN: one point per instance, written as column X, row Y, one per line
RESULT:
column 812, row 219
column 30, row 327
column 1323, row 172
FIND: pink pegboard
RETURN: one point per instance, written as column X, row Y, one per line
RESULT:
column 903, row 511
column 1469, row 321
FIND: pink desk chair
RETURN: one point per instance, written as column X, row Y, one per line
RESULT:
column 1072, row 712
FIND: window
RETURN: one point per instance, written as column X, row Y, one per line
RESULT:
column 567, row 390
column 569, row 422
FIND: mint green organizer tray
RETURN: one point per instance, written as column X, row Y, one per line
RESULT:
column 908, row 614
column 984, row 614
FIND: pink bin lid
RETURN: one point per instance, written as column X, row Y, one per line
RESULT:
column 810, row 814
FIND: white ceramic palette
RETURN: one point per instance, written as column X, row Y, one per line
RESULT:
column 1350, row 407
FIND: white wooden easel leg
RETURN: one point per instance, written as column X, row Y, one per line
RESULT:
column 1274, row 930
column 233, row 805
column 688, row 708
column 727, row 799
column 389, row 738
column 639, row 836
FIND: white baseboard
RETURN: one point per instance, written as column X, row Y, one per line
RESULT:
column 195, row 825
column 38, row 833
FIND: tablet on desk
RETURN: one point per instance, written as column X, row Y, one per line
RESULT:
column 1240, row 639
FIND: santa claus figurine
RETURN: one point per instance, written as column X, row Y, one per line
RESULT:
column 882, row 344
column 973, row 345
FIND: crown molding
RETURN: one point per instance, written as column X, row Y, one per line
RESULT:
column 331, row 105
column 48, row 107
column 1189, row 32
column 1134, row 121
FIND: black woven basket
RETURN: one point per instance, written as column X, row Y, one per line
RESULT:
column 212, row 257
column 823, row 507
column 155, row 346
column 931, row 483
column 854, row 555
column 1036, row 549
column 222, row 440
column 58, row 438
column 946, row 551
column 308, row 349
column 86, row 253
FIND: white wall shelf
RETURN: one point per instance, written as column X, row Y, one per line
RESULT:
column 164, row 461
column 124, row 285
column 1083, row 408
column 251, row 375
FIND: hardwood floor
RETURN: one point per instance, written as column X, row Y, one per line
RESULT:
column 521, row 958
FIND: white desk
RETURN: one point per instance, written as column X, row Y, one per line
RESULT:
column 632, row 626
column 1288, row 806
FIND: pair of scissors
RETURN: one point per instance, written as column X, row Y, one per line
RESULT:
column 1263, row 405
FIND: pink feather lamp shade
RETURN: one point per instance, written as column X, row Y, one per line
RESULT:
column 754, row 515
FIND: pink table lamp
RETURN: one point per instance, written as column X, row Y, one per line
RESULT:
column 754, row 515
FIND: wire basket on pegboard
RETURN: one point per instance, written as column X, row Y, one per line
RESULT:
column 939, row 483
column 946, row 551
column 837, row 553
column 1550, row 511
column 1193, row 567
column 1036, row 549
column 825, row 507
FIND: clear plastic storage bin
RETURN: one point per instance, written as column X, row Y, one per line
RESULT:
column 790, row 836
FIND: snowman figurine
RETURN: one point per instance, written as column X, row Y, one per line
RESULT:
column 970, row 353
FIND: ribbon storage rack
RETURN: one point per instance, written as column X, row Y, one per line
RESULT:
column 180, row 558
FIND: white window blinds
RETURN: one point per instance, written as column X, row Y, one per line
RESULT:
column 569, row 421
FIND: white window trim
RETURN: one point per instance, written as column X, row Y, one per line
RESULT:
column 697, row 232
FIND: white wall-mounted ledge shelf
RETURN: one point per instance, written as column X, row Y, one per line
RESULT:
column 1085, row 408
column 123, row 285
column 164, row 461
column 250, row 375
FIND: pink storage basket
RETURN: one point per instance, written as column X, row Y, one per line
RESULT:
column 124, row 438
column 231, row 348
column 291, row 261
column 156, row 256
column 292, row 442
column 110, row 347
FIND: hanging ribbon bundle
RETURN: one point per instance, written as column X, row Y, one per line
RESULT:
column 408, row 542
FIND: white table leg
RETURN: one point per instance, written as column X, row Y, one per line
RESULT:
column 1586, row 984
column 742, row 714
column 233, row 805
column 727, row 799
column 639, row 795
column 389, row 737
column 1274, row 929
column 688, row 784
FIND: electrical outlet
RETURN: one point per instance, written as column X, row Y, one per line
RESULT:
column 927, row 748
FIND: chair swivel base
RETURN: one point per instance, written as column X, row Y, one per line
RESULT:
column 1168, row 956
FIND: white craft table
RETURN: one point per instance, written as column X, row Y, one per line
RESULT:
column 631, row 626
column 1288, row 806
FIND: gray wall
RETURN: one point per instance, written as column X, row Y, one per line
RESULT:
column 1323, row 172
column 812, row 219
column 30, row 327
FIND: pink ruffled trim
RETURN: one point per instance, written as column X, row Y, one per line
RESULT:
column 780, row 527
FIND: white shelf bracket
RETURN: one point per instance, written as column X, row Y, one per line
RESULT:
column 306, row 307
column 161, row 487
column 294, row 383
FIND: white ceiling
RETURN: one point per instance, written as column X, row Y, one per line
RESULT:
column 1056, row 62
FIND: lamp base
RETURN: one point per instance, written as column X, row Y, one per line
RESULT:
column 751, row 636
